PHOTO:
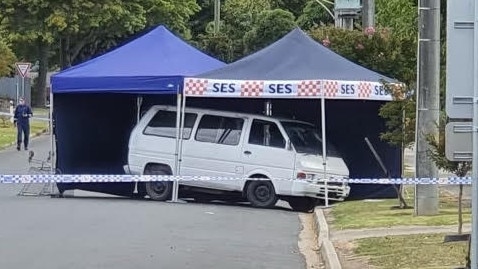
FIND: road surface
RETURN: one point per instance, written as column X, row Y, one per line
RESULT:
column 109, row 232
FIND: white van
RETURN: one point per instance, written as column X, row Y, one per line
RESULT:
column 236, row 145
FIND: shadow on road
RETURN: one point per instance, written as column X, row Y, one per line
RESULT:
column 189, row 201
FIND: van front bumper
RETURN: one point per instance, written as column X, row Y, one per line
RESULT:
column 320, row 190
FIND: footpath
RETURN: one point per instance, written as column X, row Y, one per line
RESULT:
column 336, row 246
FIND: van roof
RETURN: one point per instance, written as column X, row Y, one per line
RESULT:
column 206, row 110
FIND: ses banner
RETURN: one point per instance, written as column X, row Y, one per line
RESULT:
column 198, row 87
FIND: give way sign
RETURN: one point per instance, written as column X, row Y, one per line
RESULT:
column 23, row 68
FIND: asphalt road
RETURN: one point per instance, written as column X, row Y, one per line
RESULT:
column 95, row 231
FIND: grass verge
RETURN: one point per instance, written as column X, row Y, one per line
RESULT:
column 40, row 111
column 412, row 251
column 8, row 132
column 380, row 213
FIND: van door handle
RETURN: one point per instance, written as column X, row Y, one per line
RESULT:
column 247, row 152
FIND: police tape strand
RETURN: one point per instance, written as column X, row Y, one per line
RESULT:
column 32, row 118
column 64, row 178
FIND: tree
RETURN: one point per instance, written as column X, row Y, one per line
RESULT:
column 238, row 19
column 271, row 25
column 400, row 16
column 388, row 54
column 7, row 57
column 380, row 50
column 296, row 7
column 199, row 21
column 314, row 15
column 460, row 169
column 80, row 29
column 98, row 27
column 33, row 22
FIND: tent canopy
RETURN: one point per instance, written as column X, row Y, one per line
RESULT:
column 297, row 67
column 155, row 62
column 297, row 60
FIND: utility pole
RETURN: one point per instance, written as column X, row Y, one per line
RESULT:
column 428, row 82
column 368, row 13
column 217, row 15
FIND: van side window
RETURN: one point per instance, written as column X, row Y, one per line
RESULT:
column 220, row 130
column 266, row 133
column 164, row 124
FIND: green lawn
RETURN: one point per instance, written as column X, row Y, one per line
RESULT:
column 373, row 214
column 8, row 132
column 40, row 111
column 412, row 251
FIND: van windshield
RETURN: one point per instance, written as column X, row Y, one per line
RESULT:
column 306, row 139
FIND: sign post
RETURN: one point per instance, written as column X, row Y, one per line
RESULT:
column 23, row 69
column 474, row 235
column 462, row 98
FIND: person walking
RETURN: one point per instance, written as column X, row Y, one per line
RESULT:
column 21, row 118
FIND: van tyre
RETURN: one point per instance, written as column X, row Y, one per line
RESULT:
column 261, row 193
column 303, row 204
column 158, row 190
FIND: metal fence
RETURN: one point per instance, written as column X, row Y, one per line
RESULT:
column 12, row 89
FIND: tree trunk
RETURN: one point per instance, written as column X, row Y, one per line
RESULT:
column 460, row 210
column 40, row 94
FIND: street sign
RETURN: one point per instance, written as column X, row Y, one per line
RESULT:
column 23, row 68
column 347, row 4
column 458, row 141
column 459, row 59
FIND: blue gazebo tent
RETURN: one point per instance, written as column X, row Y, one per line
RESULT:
column 153, row 63
column 95, row 103
column 294, row 73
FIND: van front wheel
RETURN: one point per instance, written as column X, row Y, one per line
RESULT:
column 158, row 190
column 302, row 204
column 261, row 193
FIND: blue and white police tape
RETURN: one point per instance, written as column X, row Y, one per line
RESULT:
column 32, row 118
column 63, row 178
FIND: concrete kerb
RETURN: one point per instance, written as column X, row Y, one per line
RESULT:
column 327, row 250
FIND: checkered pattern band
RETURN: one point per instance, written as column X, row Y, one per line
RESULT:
column 252, row 88
column 330, row 88
column 48, row 178
column 195, row 86
column 308, row 88
column 364, row 89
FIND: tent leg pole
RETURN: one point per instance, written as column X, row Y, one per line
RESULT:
column 268, row 107
column 52, row 139
column 52, row 143
column 176, row 155
column 324, row 149
column 181, row 133
column 139, row 101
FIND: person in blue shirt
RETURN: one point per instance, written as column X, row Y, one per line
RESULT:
column 21, row 118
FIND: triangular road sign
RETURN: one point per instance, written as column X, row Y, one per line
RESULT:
column 23, row 68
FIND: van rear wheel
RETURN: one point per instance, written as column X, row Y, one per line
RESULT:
column 158, row 190
column 261, row 193
column 302, row 204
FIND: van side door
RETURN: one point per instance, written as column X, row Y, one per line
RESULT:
column 265, row 151
column 215, row 151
